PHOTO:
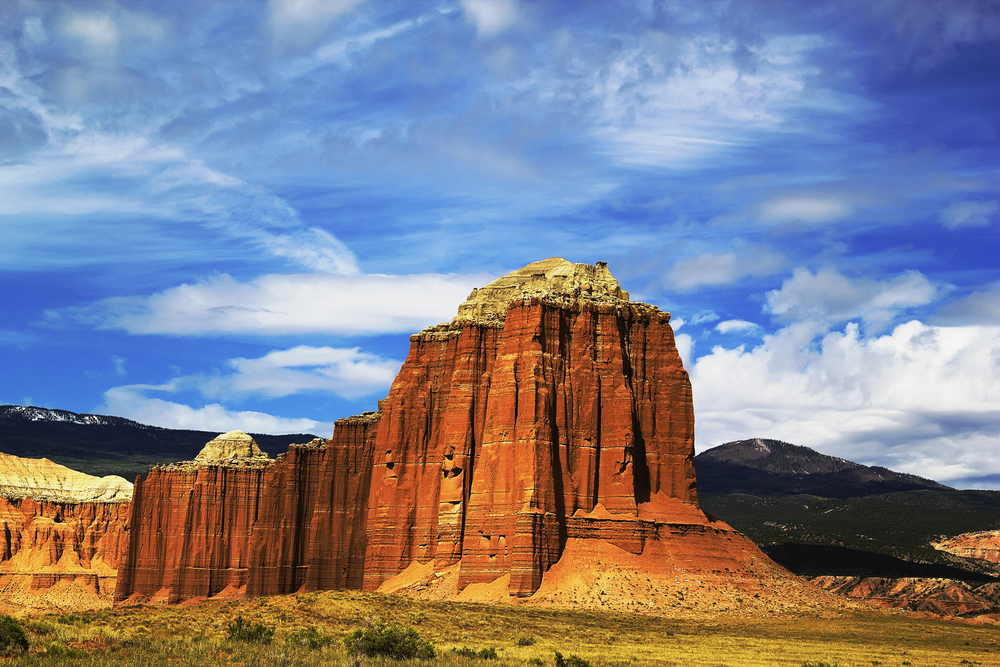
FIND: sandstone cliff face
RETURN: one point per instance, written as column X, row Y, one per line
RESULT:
column 59, row 529
column 237, row 523
column 525, row 413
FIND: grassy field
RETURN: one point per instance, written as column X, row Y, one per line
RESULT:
column 196, row 635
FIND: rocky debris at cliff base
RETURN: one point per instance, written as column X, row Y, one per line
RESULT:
column 595, row 574
column 42, row 479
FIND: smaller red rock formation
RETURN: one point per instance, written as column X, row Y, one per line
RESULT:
column 235, row 522
column 941, row 597
column 984, row 545
column 59, row 529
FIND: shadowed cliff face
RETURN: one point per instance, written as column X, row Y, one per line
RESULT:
column 549, row 415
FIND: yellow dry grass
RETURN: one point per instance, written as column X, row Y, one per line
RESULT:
column 196, row 635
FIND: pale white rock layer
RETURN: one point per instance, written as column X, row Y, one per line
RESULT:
column 42, row 479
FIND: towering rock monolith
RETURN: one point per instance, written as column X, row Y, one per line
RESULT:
column 550, row 396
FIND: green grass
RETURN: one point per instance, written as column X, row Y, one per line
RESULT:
column 197, row 635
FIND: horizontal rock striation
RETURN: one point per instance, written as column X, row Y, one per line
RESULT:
column 58, row 526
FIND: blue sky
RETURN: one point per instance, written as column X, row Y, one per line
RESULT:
column 232, row 215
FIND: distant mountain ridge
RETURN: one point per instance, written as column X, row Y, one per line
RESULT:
column 106, row 445
column 763, row 467
column 33, row 414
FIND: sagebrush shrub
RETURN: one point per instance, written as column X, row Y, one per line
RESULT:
column 391, row 641
column 12, row 637
column 309, row 638
column 249, row 633
column 570, row 661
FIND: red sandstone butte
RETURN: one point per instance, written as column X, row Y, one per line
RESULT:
column 549, row 422
column 549, row 396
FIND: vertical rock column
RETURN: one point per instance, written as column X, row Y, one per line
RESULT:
column 339, row 538
column 425, row 449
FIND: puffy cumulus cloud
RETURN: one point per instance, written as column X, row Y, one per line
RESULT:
column 829, row 296
column 132, row 402
column 685, row 346
column 921, row 399
column 737, row 326
column 723, row 269
column 284, row 304
column 490, row 16
column 970, row 214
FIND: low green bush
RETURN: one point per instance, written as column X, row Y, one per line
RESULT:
column 249, row 633
column 483, row 654
column 391, row 641
column 570, row 661
column 12, row 637
column 309, row 638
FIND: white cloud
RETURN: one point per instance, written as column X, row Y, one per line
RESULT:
column 97, row 34
column 491, row 16
column 828, row 296
column 685, row 345
column 285, row 304
column 921, row 399
column 970, row 214
column 299, row 23
column 131, row 402
column 704, row 316
column 980, row 307
column 739, row 326
column 725, row 269
column 804, row 209
column 348, row 373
